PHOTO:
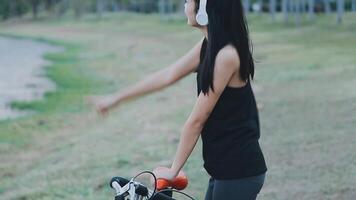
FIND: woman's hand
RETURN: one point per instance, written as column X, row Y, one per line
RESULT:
column 163, row 173
column 170, row 179
column 104, row 103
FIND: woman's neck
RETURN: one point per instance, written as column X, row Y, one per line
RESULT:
column 204, row 30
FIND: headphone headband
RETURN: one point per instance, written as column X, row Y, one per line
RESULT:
column 202, row 4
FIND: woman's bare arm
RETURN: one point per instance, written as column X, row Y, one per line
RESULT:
column 226, row 63
column 164, row 77
column 155, row 81
column 225, row 66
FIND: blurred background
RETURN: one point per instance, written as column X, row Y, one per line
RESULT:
column 55, row 52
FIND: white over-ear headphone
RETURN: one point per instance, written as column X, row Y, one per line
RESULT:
column 202, row 15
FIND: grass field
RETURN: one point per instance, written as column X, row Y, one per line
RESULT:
column 305, row 82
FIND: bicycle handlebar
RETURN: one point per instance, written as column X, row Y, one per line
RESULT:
column 160, row 196
column 120, row 184
column 125, row 187
column 121, row 181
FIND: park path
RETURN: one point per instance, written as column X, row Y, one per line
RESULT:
column 22, row 76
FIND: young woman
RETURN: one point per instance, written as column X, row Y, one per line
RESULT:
column 225, row 114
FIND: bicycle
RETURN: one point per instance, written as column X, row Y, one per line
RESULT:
column 163, row 189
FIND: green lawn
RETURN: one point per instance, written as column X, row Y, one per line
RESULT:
column 305, row 82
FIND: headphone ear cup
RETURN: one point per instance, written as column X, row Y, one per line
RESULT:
column 202, row 19
column 202, row 15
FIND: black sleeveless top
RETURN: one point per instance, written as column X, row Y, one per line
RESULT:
column 230, row 135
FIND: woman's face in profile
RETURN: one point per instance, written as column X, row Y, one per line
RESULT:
column 189, row 9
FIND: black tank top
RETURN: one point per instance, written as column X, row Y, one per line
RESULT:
column 230, row 135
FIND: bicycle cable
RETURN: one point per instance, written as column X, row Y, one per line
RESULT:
column 174, row 190
column 155, row 181
column 155, row 188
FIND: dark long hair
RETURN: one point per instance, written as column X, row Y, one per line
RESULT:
column 227, row 24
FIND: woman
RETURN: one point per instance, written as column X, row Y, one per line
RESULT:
column 225, row 113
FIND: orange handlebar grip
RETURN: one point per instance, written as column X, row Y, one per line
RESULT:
column 162, row 183
column 179, row 182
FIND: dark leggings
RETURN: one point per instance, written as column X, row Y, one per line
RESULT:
column 235, row 189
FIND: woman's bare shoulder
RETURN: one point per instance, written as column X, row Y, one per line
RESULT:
column 228, row 54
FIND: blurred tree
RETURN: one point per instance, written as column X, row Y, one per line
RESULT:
column 78, row 7
column 246, row 4
column 63, row 6
column 10, row 8
column 13, row 8
column 181, row 6
column 260, row 2
column 272, row 9
column 311, row 12
column 19, row 7
column 302, row 8
column 165, row 6
column 114, row 5
column 5, row 9
column 340, row 10
column 297, row 14
column 123, row 4
column 290, row 6
column 99, row 7
column 49, row 6
column 327, row 8
column 285, row 10
column 34, row 5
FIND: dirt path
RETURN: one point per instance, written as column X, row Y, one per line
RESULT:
column 22, row 73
